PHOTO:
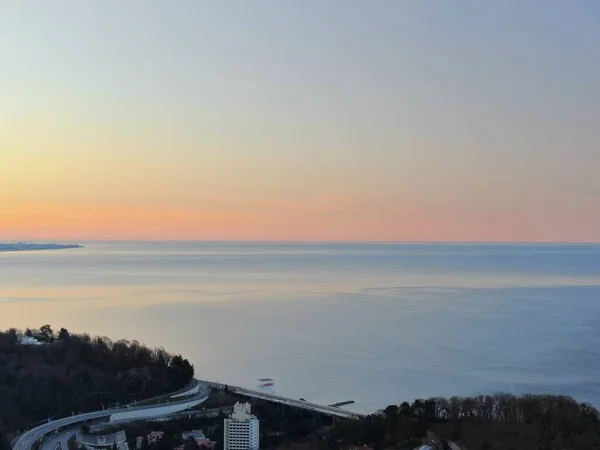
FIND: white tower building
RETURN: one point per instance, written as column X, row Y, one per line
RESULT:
column 241, row 429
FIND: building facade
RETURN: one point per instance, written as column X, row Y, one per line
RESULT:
column 102, row 442
column 241, row 429
column 28, row 340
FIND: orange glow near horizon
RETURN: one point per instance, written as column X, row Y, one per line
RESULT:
column 268, row 221
column 195, row 123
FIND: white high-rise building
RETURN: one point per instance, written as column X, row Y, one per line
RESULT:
column 241, row 429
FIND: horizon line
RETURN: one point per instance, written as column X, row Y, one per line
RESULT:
column 296, row 241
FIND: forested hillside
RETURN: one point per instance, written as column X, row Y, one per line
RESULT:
column 490, row 422
column 70, row 373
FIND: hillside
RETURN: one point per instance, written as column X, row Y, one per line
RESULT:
column 490, row 422
column 70, row 372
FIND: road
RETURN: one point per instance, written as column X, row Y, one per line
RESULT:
column 60, row 439
column 196, row 413
column 329, row 410
column 27, row 439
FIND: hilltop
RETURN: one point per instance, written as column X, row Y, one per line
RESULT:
column 66, row 372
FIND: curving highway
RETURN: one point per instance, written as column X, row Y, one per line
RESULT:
column 26, row 440
column 131, row 413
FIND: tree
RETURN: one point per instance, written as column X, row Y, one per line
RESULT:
column 391, row 412
column 190, row 444
column 166, row 443
column 145, row 443
column 72, row 444
column 46, row 333
column 12, row 336
column 418, row 407
column 405, row 409
column 4, row 445
column 63, row 335
column 181, row 368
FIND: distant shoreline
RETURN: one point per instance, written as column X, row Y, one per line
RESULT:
column 25, row 247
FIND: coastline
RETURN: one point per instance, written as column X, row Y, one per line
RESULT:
column 25, row 247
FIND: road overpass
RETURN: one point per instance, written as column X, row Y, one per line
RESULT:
column 131, row 413
column 324, row 409
column 26, row 440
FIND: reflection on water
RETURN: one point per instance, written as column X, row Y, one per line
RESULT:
column 376, row 323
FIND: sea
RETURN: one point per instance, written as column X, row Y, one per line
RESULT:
column 377, row 323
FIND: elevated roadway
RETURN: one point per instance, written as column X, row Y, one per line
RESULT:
column 26, row 440
column 131, row 413
column 325, row 409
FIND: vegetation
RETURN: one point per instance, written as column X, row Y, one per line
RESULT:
column 219, row 399
column 491, row 422
column 73, row 373
column 278, row 423
column 212, row 428
column 494, row 422
column 282, row 423
column 4, row 445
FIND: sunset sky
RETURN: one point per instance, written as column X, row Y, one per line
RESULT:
column 426, row 120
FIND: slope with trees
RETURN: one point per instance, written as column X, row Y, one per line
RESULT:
column 485, row 422
column 75, row 372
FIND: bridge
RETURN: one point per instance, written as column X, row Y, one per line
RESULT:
column 128, row 413
column 324, row 409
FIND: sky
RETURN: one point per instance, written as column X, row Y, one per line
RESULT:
column 300, row 120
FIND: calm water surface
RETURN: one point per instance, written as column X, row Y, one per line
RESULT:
column 376, row 323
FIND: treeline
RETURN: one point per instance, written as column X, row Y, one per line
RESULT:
column 500, row 421
column 75, row 372
column 486, row 422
